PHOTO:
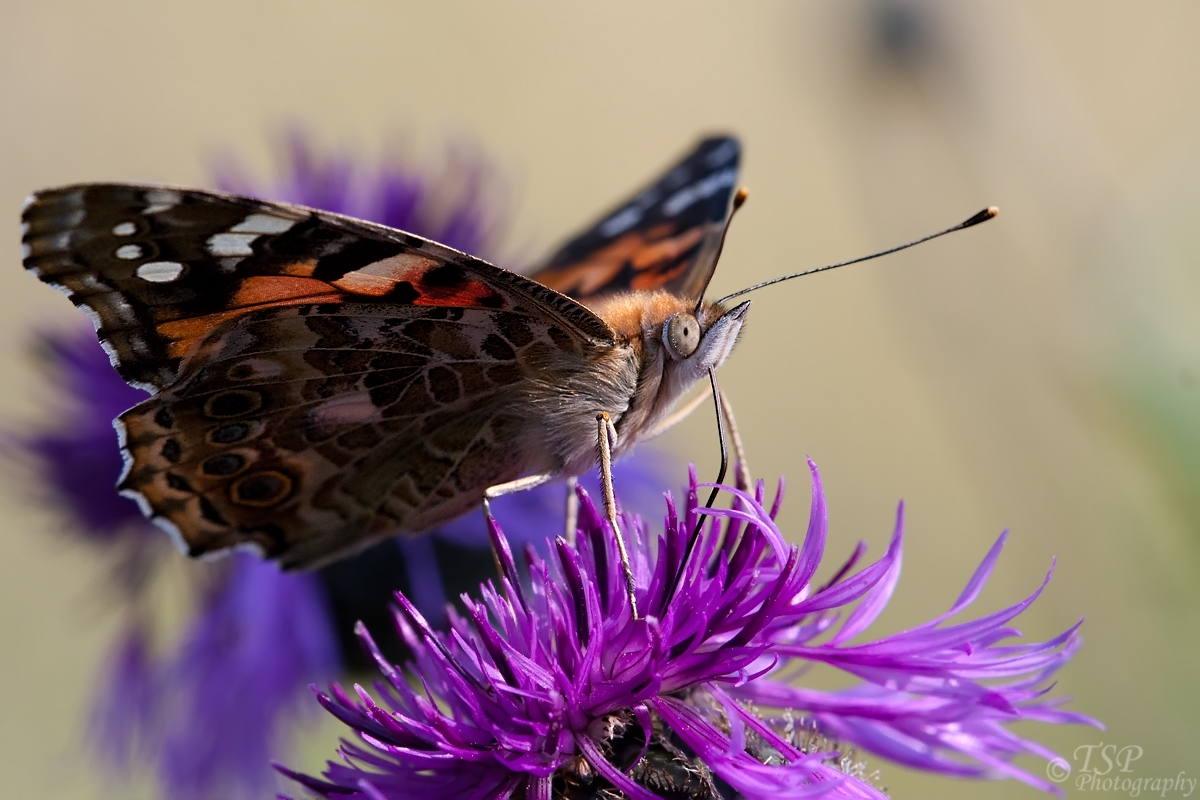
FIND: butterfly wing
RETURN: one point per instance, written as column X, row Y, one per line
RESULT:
column 668, row 236
column 311, row 430
column 158, row 267
column 320, row 380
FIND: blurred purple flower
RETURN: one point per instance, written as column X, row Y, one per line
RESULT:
column 456, row 207
column 79, row 461
column 212, row 709
column 209, row 711
column 548, row 688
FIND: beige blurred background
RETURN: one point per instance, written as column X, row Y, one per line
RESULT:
column 990, row 379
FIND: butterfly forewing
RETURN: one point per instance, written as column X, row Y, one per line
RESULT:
column 321, row 380
column 159, row 267
column 667, row 236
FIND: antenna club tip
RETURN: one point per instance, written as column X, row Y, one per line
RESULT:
column 740, row 197
column 982, row 216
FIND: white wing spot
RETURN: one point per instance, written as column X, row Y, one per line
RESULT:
column 124, row 229
column 136, row 343
column 231, row 244
column 59, row 241
column 25, row 251
column 71, row 219
column 703, row 189
column 129, row 251
column 160, row 200
column 263, row 223
column 620, row 222
column 356, row 409
column 123, row 310
column 160, row 271
column 91, row 283
column 256, row 369
column 726, row 152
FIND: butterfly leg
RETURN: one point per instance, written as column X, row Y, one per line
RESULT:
column 572, row 511
column 607, row 439
column 512, row 487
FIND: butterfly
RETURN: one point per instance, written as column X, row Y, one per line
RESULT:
column 320, row 382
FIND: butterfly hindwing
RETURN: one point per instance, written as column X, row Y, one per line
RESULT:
column 667, row 236
column 311, row 430
column 319, row 380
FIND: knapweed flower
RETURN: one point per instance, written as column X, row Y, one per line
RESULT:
column 208, row 707
column 548, row 687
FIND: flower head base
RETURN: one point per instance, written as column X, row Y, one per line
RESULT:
column 556, row 691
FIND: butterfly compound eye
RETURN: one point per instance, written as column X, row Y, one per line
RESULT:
column 681, row 335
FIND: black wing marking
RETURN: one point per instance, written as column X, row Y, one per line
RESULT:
column 667, row 236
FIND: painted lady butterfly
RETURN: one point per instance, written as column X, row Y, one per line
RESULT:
column 322, row 382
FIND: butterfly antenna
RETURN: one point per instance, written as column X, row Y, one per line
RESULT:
column 982, row 216
column 739, row 200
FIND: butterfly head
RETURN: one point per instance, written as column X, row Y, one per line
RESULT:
column 695, row 343
column 689, row 343
column 677, row 344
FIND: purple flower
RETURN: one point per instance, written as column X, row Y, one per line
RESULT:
column 548, row 687
column 209, row 710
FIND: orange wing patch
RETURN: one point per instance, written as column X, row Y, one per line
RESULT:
column 469, row 294
column 380, row 278
column 420, row 280
column 655, row 256
column 408, row 278
column 260, row 291
column 270, row 289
